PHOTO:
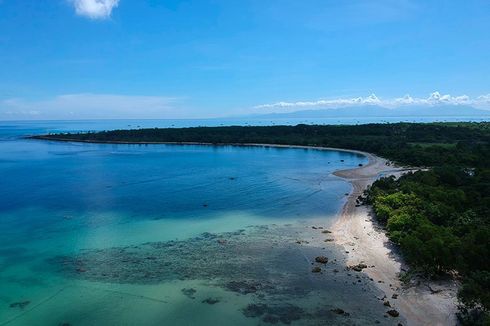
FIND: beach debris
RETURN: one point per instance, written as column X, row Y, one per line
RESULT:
column 189, row 292
column 326, row 231
column 210, row 301
column 387, row 304
column 222, row 241
column 321, row 259
column 316, row 269
column 394, row 296
column 21, row 304
column 393, row 313
column 328, row 240
column 359, row 267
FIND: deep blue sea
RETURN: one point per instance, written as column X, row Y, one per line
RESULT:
column 101, row 234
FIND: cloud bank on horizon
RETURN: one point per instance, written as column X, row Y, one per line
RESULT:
column 116, row 106
column 434, row 99
column 89, row 106
column 95, row 9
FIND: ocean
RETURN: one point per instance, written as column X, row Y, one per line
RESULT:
column 102, row 234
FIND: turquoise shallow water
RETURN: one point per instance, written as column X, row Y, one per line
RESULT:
column 97, row 234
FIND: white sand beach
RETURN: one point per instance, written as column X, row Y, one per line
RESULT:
column 365, row 242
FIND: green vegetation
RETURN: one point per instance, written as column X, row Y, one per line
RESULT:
column 440, row 220
column 439, row 217
column 412, row 144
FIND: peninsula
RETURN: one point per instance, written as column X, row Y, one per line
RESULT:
column 434, row 211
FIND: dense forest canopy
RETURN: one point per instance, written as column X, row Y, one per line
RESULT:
column 408, row 143
column 440, row 220
column 439, row 217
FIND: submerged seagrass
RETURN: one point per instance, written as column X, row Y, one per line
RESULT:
column 267, row 263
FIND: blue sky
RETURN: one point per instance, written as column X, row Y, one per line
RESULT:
column 207, row 58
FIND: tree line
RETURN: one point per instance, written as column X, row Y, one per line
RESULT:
column 439, row 217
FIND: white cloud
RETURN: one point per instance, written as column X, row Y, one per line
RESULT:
column 95, row 9
column 433, row 99
column 90, row 106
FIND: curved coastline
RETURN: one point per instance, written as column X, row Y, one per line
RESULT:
column 68, row 140
column 362, row 238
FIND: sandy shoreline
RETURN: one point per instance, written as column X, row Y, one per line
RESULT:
column 365, row 242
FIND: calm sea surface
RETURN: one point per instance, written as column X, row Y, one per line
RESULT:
column 99, row 234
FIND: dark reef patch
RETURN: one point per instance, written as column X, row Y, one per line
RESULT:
column 262, row 263
column 189, row 293
column 21, row 304
column 211, row 301
column 273, row 314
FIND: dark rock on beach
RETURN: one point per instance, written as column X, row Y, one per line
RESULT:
column 358, row 267
column 316, row 269
column 393, row 313
column 321, row 259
